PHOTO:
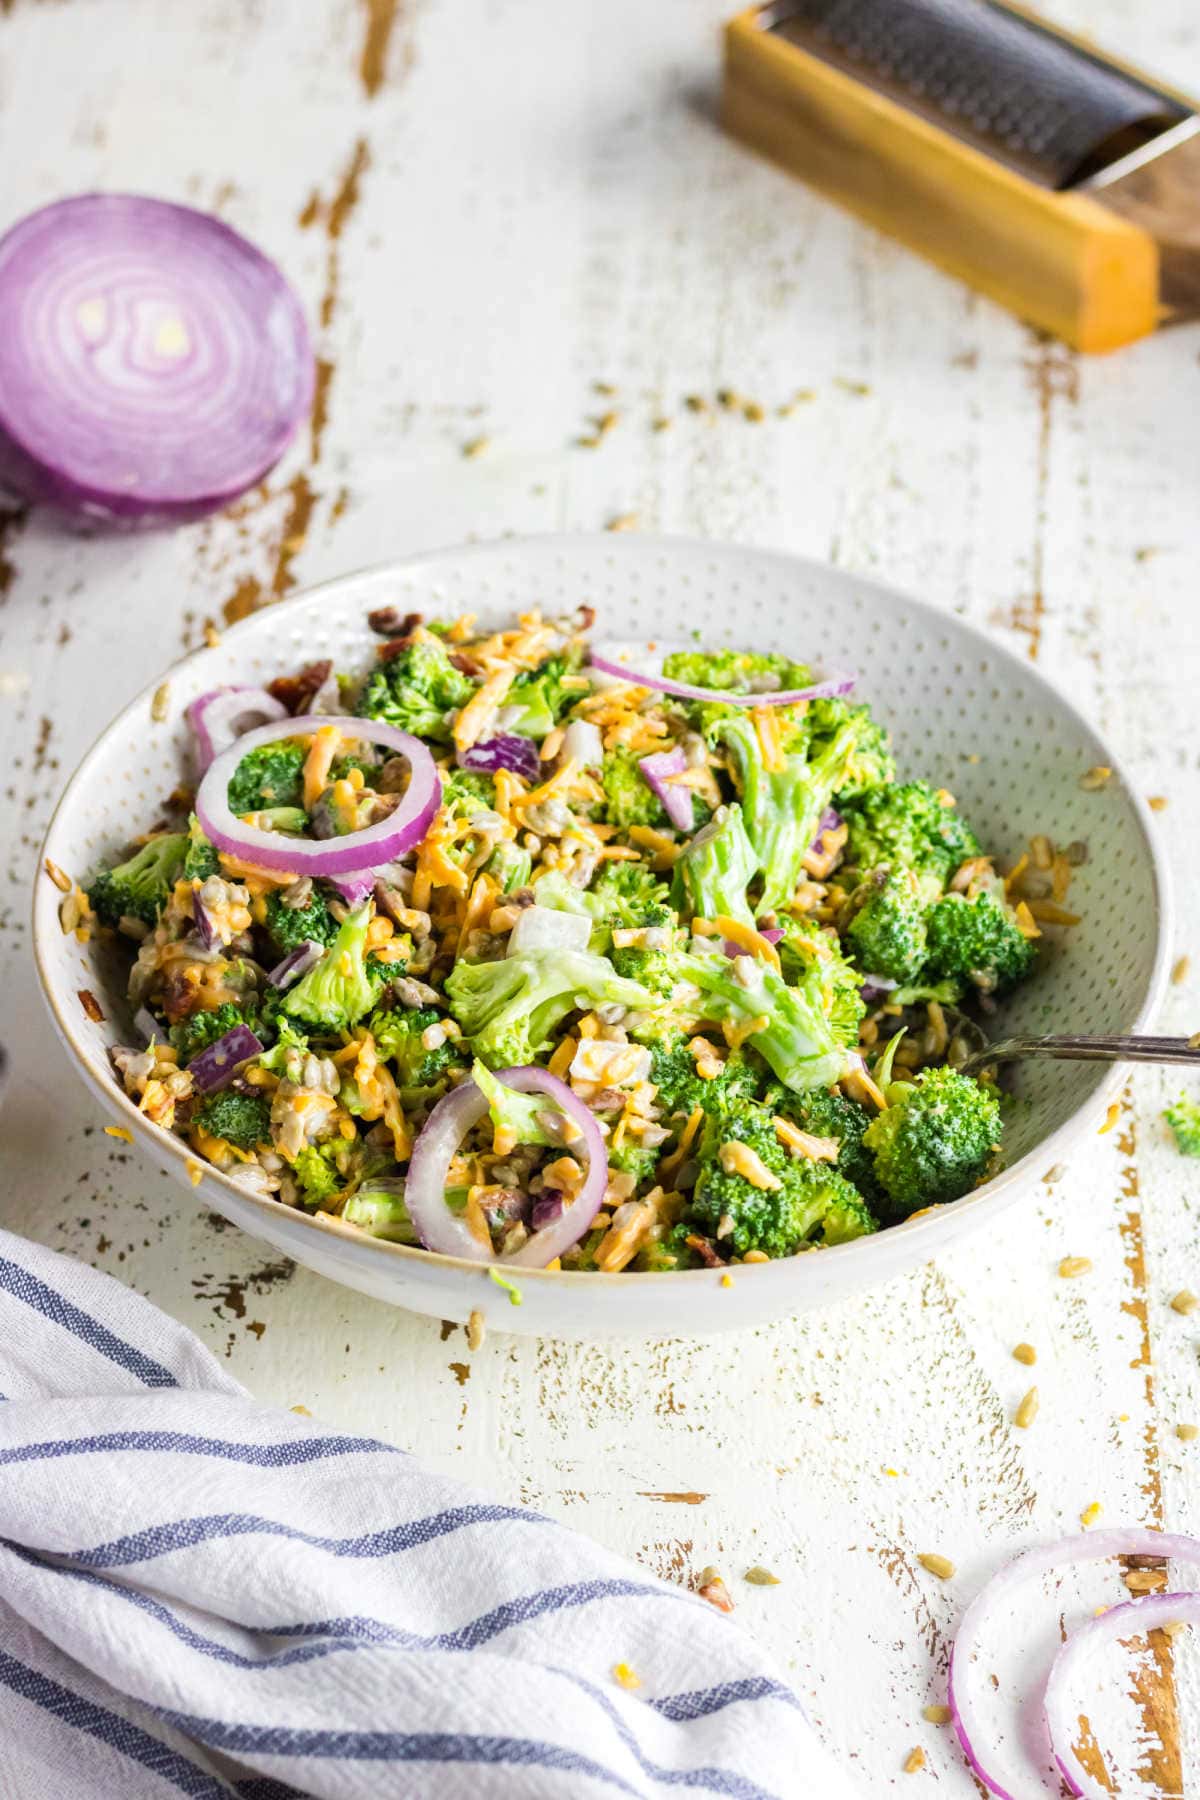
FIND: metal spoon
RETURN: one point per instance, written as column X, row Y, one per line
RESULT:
column 1088, row 1049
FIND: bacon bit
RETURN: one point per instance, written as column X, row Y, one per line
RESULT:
column 1050, row 913
column 119, row 1131
column 624, row 1677
column 1025, row 921
column 713, row 1589
column 387, row 622
column 816, row 1149
column 1110, row 1118
column 90, row 1005
column 704, row 1250
column 62, row 882
column 475, row 717
column 295, row 691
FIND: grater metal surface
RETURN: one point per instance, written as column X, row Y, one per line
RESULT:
column 995, row 81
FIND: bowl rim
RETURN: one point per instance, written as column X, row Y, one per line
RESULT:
column 929, row 1225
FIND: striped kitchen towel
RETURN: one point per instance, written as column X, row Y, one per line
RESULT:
column 200, row 1595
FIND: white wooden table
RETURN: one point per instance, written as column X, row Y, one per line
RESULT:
column 491, row 208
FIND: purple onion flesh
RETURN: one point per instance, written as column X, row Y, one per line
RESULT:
column 505, row 751
column 215, row 1067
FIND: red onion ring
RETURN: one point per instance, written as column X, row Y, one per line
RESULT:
column 443, row 1132
column 1082, row 1649
column 835, row 683
column 966, row 1672
column 351, row 855
column 153, row 363
column 216, row 718
column 676, row 801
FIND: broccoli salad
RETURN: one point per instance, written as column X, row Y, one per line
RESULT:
column 555, row 954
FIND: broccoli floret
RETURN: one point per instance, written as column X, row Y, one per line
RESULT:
column 662, row 1256
column 467, row 791
column 946, row 993
column 510, row 866
column 714, row 871
column 736, row 671
column 637, row 1160
column 652, row 960
column 1184, row 1120
column 829, row 1115
column 317, row 1173
column 243, row 1120
column 201, row 859
column 378, row 1207
column 200, row 1029
column 508, row 1009
column 871, row 763
column 979, row 941
column 805, row 1202
column 680, row 1088
column 516, row 1118
column 782, row 807
column 537, row 700
column 887, row 933
column 627, row 893
column 398, row 1035
column 935, row 1141
column 417, row 689
column 290, row 926
column 140, row 888
column 908, row 826
column 812, row 956
column 272, row 775
column 284, row 1058
column 630, row 798
column 795, row 1033
column 339, row 989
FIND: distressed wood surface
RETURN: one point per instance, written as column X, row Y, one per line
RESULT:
column 489, row 209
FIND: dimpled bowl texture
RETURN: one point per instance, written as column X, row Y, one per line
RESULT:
column 962, row 712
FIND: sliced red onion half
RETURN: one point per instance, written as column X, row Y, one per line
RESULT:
column 353, row 889
column 676, row 801
column 626, row 662
column 1081, row 1655
column 448, row 1124
column 153, row 363
column 506, row 751
column 296, row 963
column 222, row 715
column 969, row 1674
column 351, row 855
column 216, row 1066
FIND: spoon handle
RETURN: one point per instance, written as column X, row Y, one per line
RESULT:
column 1088, row 1049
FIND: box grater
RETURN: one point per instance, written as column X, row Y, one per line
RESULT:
column 1061, row 182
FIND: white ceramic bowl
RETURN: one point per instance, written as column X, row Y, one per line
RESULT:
column 962, row 711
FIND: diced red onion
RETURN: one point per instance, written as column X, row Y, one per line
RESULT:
column 772, row 933
column 352, row 854
column 582, row 744
column 830, row 820
column 1079, row 1655
column 206, row 929
column 873, row 987
column 506, row 751
column 216, row 1065
column 353, row 889
column 969, row 1674
column 219, row 717
column 545, row 928
column 676, row 801
column 626, row 665
column 153, row 363
column 448, row 1124
column 296, row 963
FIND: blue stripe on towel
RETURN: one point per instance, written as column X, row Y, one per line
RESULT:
column 184, row 1534
column 50, row 1303
column 288, row 1454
